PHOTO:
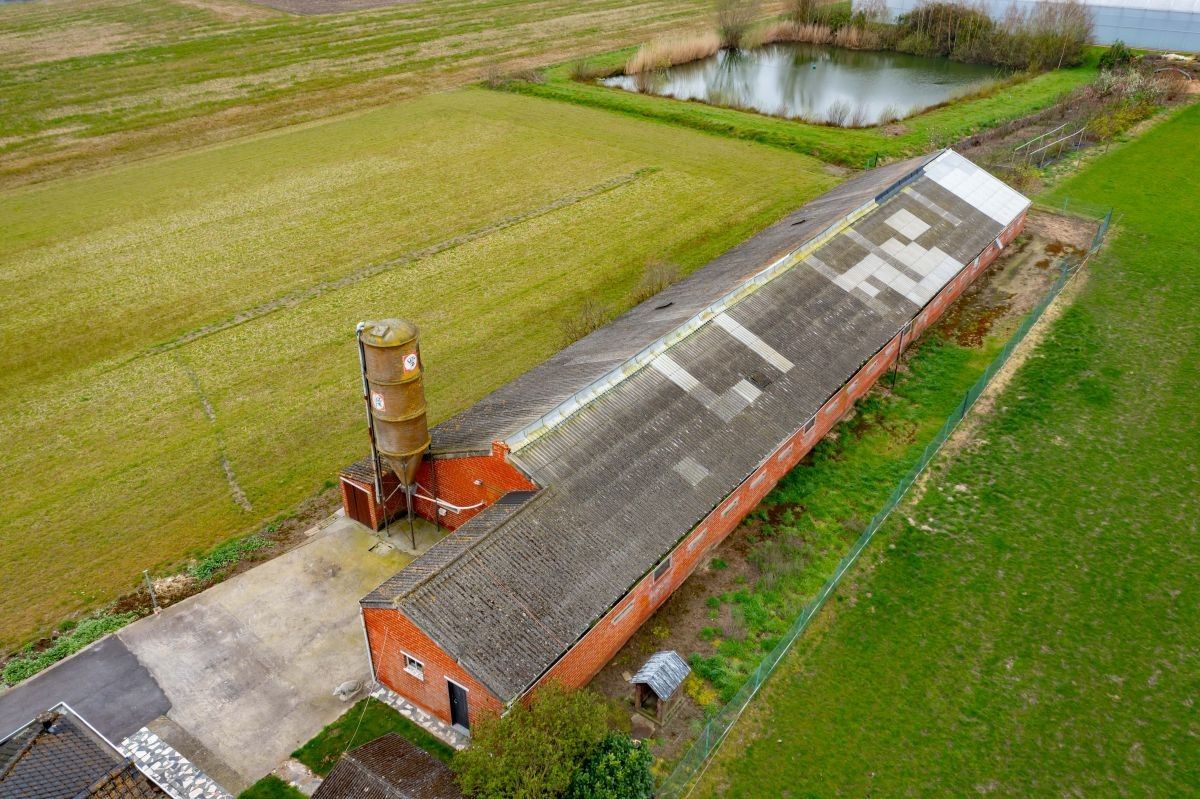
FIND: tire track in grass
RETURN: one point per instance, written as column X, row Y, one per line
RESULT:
column 294, row 298
column 210, row 413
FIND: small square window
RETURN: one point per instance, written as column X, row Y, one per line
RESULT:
column 414, row 667
column 662, row 568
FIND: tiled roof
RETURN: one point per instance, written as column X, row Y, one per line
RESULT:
column 389, row 768
column 56, row 756
column 684, row 421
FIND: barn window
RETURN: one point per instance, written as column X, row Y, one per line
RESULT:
column 757, row 481
column 662, row 568
column 697, row 538
column 414, row 667
column 783, row 456
column 808, row 426
column 730, row 506
column 620, row 617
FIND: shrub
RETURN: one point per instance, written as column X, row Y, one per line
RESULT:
column 1051, row 35
column 532, row 752
column 657, row 276
column 1117, row 57
column 618, row 768
column 592, row 315
column 735, row 18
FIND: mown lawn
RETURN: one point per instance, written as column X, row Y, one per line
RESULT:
column 367, row 720
column 938, row 127
column 485, row 217
column 94, row 82
column 1031, row 625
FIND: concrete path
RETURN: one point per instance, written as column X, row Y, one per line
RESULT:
column 238, row 676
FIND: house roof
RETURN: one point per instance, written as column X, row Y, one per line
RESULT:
column 663, row 672
column 690, row 409
column 389, row 768
column 57, row 756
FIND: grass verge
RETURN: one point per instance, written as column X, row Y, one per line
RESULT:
column 271, row 787
column 87, row 631
column 1027, row 629
column 851, row 147
column 367, row 720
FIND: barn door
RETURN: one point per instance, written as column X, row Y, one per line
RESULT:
column 459, row 716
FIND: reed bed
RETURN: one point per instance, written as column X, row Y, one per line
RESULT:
column 669, row 51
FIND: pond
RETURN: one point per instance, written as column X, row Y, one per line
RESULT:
column 815, row 82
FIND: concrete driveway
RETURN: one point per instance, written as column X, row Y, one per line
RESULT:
column 249, row 666
column 238, row 676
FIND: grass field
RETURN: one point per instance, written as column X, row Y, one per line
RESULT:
column 938, row 127
column 93, row 82
column 162, row 320
column 1030, row 627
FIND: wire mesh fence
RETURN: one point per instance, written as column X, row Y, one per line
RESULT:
column 689, row 768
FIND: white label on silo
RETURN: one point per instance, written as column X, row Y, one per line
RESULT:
column 410, row 362
column 377, row 401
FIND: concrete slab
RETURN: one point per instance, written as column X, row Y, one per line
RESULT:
column 249, row 666
column 104, row 683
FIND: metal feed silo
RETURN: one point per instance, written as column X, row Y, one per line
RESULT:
column 392, row 380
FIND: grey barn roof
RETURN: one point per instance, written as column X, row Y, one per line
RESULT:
column 537, row 392
column 664, row 672
column 628, row 474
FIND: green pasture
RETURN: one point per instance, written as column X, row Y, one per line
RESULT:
column 1029, row 625
column 233, row 276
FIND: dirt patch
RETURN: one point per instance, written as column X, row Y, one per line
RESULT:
column 68, row 41
column 1066, row 231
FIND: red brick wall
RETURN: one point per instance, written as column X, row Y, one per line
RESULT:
column 610, row 633
column 391, row 634
column 450, row 479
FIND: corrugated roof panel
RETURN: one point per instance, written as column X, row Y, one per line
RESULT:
column 528, row 588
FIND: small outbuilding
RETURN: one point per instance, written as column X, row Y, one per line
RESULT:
column 656, row 683
column 389, row 768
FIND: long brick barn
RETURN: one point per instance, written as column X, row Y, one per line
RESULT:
column 583, row 493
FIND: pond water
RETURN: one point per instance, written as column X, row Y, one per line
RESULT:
column 815, row 82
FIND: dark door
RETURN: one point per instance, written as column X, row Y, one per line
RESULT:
column 459, row 716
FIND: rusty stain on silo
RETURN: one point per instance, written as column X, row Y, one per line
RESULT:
column 396, row 392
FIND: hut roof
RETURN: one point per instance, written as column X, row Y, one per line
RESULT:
column 663, row 673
